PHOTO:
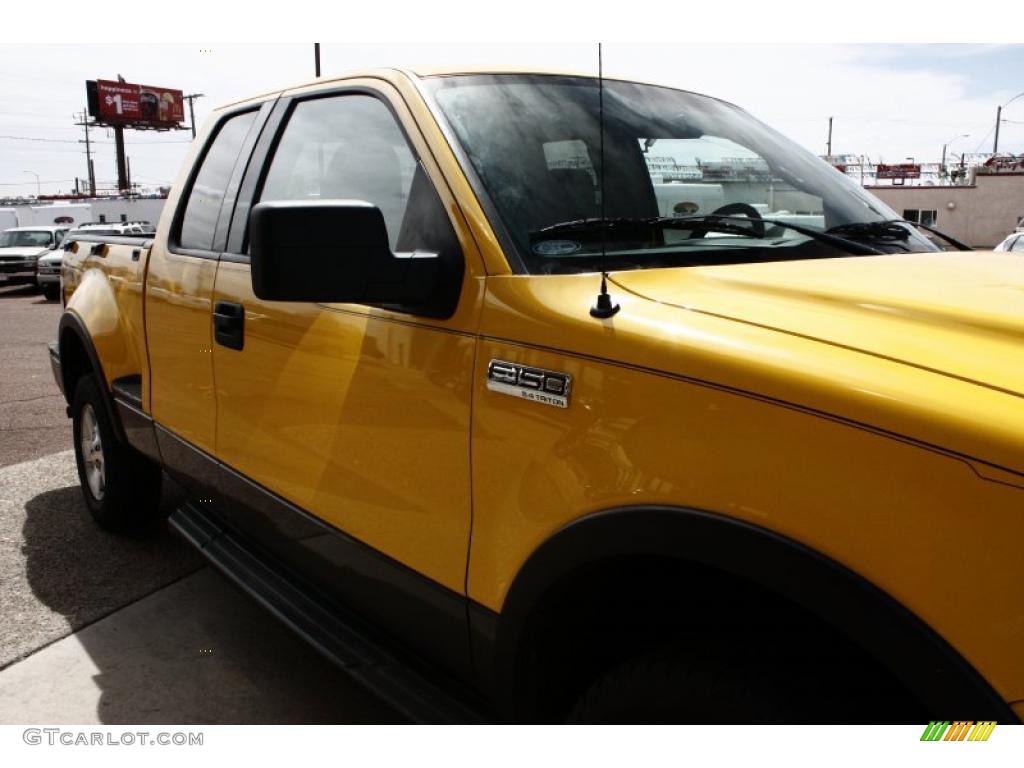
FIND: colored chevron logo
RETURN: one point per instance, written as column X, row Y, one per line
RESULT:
column 960, row 730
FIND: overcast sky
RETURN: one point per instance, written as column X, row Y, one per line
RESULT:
column 889, row 102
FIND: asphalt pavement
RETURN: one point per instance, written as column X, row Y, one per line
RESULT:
column 97, row 628
column 32, row 418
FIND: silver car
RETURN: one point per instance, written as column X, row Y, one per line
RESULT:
column 1013, row 242
column 48, row 273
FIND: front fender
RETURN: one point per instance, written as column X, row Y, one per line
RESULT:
column 914, row 653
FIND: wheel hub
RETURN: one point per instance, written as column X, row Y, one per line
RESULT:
column 92, row 453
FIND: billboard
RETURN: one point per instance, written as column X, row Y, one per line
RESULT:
column 132, row 105
column 902, row 171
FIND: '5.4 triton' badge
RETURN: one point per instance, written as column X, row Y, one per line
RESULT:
column 548, row 387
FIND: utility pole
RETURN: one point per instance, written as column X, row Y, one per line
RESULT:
column 191, row 109
column 316, row 58
column 830, row 137
column 999, row 119
column 122, row 168
column 88, row 153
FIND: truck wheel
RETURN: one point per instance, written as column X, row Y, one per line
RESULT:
column 51, row 292
column 121, row 486
column 665, row 689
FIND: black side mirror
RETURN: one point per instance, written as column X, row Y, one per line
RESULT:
column 338, row 251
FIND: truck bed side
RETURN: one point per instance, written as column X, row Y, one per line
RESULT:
column 103, row 294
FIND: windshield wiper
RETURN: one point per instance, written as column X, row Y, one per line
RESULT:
column 734, row 225
column 891, row 229
column 949, row 239
column 850, row 246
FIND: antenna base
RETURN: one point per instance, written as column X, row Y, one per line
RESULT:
column 604, row 308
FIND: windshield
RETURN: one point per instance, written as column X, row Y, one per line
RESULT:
column 534, row 143
column 26, row 239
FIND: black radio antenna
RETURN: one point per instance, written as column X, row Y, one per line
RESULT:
column 604, row 307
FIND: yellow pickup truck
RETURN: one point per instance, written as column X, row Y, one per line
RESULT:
column 540, row 398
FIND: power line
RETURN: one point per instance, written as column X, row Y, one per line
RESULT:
column 27, row 183
column 31, row 138
column 984, row 139
column 76, row 141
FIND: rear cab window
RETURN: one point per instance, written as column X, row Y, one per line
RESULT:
column 206, row 194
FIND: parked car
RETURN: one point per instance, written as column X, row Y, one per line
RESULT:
column 1013, row 242
column 48, row 269
column 141, row 228
column 22, row 247
column 455, row 398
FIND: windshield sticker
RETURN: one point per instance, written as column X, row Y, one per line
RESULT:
column 556, row 247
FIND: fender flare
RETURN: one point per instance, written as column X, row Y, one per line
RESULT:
column 922, row 660
column 70, row 322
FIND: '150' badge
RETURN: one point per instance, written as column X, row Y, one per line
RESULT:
column 548, row 387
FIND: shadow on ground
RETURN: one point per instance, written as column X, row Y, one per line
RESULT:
column 25, row 292
column 197, row 651
column 80, row 571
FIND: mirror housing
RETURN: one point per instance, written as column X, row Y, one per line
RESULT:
column 337, row 251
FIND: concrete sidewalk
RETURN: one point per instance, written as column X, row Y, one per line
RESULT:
column 197, row 651
column 135, row 629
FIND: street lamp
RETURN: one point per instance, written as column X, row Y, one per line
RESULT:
column 999, row 119
column 38, row 192
column 943, row 164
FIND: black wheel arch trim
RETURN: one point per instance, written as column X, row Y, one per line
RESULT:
column 941, row 678
column 72, row 323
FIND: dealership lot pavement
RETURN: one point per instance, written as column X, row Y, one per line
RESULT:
column 96, row 628
column 32, row 420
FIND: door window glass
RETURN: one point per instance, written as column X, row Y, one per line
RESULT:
column 344, row 148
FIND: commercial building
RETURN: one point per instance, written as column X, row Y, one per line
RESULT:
column 980, row 213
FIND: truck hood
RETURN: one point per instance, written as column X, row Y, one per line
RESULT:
column 956, row 314
column 22, row 252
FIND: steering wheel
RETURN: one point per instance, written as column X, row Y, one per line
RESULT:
column 742, row 209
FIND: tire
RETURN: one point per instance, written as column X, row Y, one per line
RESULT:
column 121, row 486
column 51, row 292
column 666, row 689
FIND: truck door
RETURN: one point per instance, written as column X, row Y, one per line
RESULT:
column 344, row 429
column 178, row 306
